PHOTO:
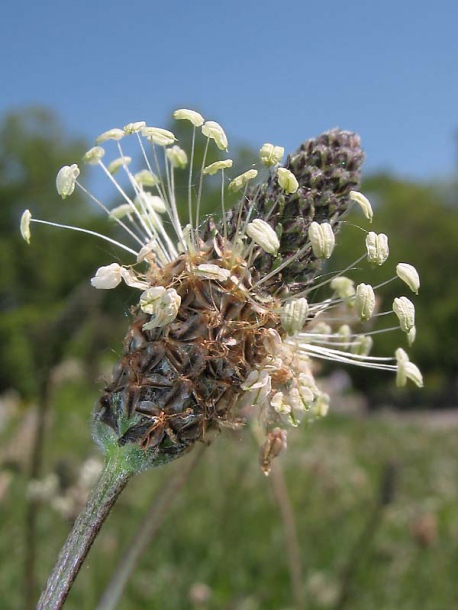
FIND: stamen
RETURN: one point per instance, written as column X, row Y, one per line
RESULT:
column 88, row 231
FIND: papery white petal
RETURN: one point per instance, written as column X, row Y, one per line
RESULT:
column 107, row 277
column 321, row 406
column 162, row 304
column 209, row 271
column 131, row 279
column 255, row 380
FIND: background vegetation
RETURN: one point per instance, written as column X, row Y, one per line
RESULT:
column 374, row 498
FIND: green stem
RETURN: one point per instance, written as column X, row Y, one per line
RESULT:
column 146, row 532
column 114, row 478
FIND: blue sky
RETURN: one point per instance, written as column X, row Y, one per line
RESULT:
column 267, row 71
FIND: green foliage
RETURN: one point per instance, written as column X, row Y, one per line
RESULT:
column 225, row 530
column 37, row 279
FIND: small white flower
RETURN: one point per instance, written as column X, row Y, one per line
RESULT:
column 407, row 370
column 213, row 168
column 210, row 271
column 162, row 304
column 258, row 385
column 272, row 341
column 25, row 225
column 321, row 405
column 287, row 180
column 161, row 137
column 215, row 132
column 271, row 155
column 116, row 164
column 177, row 157
column 363, row 203
column 408, row 274
column 111, row 134
column 322, row 239
column 294, row 314
column 240, row 181
column 377, row 248
column 262, row 234
column 279, row 403
column 189, row 115
column 308, row 390
column 94, row 155
column 365, row 301
column 255, row 380
column 66, row 180
column 405, row 311
column 134, row 127
column 107, row 277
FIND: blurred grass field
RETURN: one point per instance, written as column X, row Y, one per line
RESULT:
column 222, row 543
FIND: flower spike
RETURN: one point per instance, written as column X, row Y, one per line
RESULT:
column 230, row 314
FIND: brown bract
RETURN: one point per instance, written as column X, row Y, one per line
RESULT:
column 178, row 383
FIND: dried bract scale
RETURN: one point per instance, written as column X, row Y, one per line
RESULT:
column 230, row 314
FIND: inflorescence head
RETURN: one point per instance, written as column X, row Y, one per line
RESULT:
column 227, row 322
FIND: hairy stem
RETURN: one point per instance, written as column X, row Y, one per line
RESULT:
column 114, row 478
column 146, row 532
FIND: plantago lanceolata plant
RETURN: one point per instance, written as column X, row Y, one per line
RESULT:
column 228, row 321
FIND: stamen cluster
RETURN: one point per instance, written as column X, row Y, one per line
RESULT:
column 227, row 323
